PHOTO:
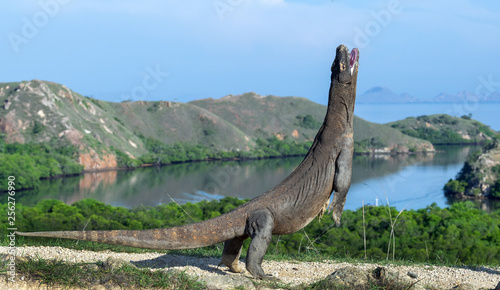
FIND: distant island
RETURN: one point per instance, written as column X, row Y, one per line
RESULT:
column 48, row 130
column 381, row 95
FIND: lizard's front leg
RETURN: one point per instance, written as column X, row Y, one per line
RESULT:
column 260, row 226
column 341, row 182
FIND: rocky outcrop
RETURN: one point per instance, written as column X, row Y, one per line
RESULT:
column 93, row 161
column 485, row 167
column 479, row 178
column 39, row 111
column 12, row 128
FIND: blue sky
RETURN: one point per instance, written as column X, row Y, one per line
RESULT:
column 185, row 49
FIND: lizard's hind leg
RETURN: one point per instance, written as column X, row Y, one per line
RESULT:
column 231, row 254
column 260, row 228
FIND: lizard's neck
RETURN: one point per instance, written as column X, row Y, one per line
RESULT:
column 339, row 115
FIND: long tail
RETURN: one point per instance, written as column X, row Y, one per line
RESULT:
column 202, row 234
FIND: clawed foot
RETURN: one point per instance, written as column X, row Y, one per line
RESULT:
column 336, row 207
column 235, row 268
column 259, row 274
column 336, row 213
column 270, row 278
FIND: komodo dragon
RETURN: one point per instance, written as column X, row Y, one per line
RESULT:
column 284, row 209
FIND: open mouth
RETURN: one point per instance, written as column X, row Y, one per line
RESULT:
column 354, row 59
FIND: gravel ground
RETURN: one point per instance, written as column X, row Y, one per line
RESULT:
column 290, row 272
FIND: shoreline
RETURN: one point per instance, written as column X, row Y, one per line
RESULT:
column 148, row 165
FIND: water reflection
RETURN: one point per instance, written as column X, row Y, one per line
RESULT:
column 409, row 181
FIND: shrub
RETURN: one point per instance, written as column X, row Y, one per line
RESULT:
column 455, row 186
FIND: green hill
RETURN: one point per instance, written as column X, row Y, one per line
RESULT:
column 268, row 116
column 299, row 119
column 445, row 129
column 377, row 138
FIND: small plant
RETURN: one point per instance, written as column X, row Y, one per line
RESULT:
column 364, row 228
column 476, row 191
column 392, row 235
column 308, row 122
column 467, row 117
column 392, row 224
column 38, row 127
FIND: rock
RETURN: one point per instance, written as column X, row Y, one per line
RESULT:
column 113, row 264
column 384, row 150
column 392, row 277
column 20, row 259
column 465, row 286
column 412, row 275
column 91, row 267
column 6, row 104
column 65, row 93
column 228, row 282
column 91, row 160
column 12, row 127
column 349, row 277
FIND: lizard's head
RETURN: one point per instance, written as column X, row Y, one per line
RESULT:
column 342, row 94
column 345, row 66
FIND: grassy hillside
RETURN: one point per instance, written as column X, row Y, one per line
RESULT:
column 445, row 129
column 171, row 122
column 267, row 116
column 299, row 119
column 378, row 138
column 38, row 112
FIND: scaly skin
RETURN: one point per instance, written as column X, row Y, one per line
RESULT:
column 284, row 209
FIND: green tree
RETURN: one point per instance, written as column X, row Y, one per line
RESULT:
column 455, row 186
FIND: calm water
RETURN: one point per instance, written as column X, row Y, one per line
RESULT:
column 486, row 113
column 406, row 181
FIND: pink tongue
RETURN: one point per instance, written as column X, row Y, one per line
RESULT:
column 354, row 56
